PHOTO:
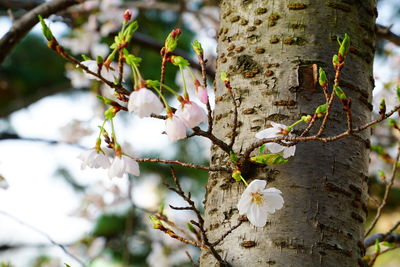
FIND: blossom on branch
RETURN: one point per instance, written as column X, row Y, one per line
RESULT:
column 108, row 74
column 277, row 130
column 123, row 164
column 257, row 202
column 201, row 94
column 175, row 128
column 92, row 159
column 144, row 102
column 191, row 114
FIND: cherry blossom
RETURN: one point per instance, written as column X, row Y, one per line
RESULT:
column 191, row 114
column 257, row 202
column 108, row 74
column 92, row 159
column 277, row 130
column 123, row 164
column 175, row 128
column 144, row 102
column 202, row 95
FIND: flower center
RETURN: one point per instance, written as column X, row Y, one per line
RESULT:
column 257, row 198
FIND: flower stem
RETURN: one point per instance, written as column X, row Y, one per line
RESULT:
column 167, row 107
column 185, row 92
column 244, row 181
column 294, row 124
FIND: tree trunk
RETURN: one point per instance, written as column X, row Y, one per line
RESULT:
column 268, row 48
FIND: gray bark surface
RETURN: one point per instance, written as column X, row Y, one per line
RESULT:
column 268, row 48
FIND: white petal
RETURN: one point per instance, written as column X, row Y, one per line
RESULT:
column 101, row 161
column 191, row 114
column 278, row 126
column 256, row 185
column 131, row 165
column 267, row 133
column 244, row 203
column 117, row 168
column 144, row 102
column 175, row 128
column 257, row 215
column 289, row 151
column 274, row 147
column 273, row 201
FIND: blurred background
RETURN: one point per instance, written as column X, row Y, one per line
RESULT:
column 49, row 114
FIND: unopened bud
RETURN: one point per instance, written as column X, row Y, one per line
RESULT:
column 323, row 81
column 344, row 47
column 197, row 48
column 127, row 15
column 179, row 61
column 335, row 61
column 224, row 77
column 321, row 110
column 45, row 29
column 382, row 107
column 339, row 93
column 172, row 40
column 307, row 118
column 237, row 175
column 157, row 224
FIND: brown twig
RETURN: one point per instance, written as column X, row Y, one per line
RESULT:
column 346, row 133
column 227, row 233
column 23, row 25
column 200, row 221
column 383, row 32
column 386, row 195
column 191, row 259
column 183, row 164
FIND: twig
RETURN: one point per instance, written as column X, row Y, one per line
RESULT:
column 385, row 33
column 22, row 26
column 346, row 133
column 200, row 220
column 191, row 259
column 184, row 164
column 386, row 195
column 51, row 240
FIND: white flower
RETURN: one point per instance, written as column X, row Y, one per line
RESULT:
column 191, row 114
column 78, row 78
column 257, row 202
column 92, row 159
column 175, row 128
column 144, row 102
column 123, row 164
column 107, row 74
column 277, row 130
column 3, row 183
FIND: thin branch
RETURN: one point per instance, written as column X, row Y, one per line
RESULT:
column 22, row 26
column 16, row 137
column 20, row 4
column 227, row 233
column 184, row 164
column 386, row 195
column 383, row 32
column 51, row 240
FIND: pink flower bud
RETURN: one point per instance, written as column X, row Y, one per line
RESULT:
column 202, row 95
column 127, row 15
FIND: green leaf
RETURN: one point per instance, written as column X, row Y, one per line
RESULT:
column 387, row 244
column 130, row 30
column 105, row 100
column 398, row 92
column 269, row 159
column 157, row 224
column 377, row 246
column 224, row 76
column 45, row 29
column 85, row 57
column 262, row 148
column 381, row 174
column 191, row 228
column 132, row 60
column 234, row 158
column 378, row 149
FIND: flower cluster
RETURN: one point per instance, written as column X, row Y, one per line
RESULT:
column 95, row 158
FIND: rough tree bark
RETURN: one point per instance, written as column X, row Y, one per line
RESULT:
column 268, row 48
